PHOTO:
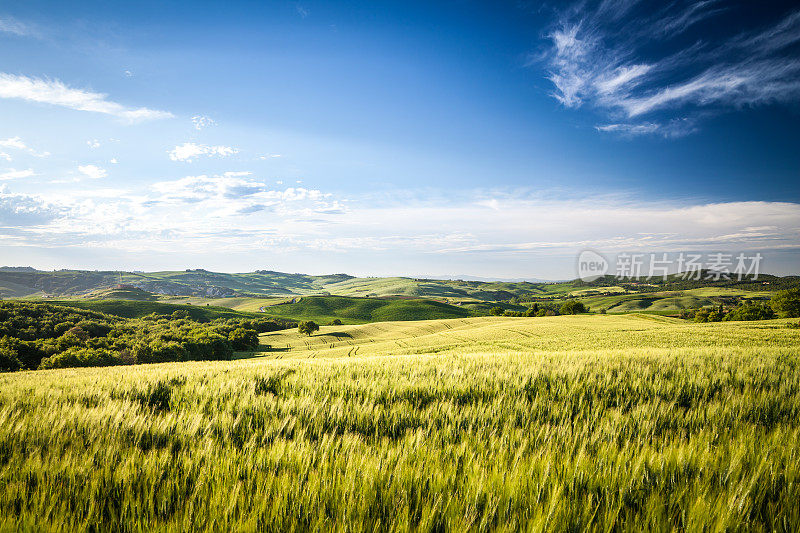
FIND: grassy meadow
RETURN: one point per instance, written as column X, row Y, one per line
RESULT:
column 569, row 423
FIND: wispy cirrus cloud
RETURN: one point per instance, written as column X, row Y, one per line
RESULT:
column 13, row 26
column 603, row 57
column 671, row 129
column 55, row 92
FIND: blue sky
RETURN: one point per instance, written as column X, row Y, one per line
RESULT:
column 396, row 138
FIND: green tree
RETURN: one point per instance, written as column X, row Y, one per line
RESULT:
column 572, row 307
column 496, row 311
column 243, row 339
column 701, row 315
column 751, row 311
column 9, row 358
column 307, row 327
column 786, row 303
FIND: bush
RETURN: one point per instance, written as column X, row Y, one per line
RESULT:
column 307, row 327
column 336, row 322
column 496, row 311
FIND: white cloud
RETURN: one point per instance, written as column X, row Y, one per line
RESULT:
column 201, row 122
column 92, row 171
column 753, row 83
column 54, row 92
column 16, row 174
column 270, row 156
column 188, row 152
column 5, row 156
column 113, row 161
column 240, row 214
column 670, row 130
column 93, row 143
column 15, row 27
column 16, row 143
column 597, row 61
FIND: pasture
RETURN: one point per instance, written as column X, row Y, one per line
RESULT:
column 571, row 423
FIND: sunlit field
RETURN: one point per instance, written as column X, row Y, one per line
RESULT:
column 569, row 423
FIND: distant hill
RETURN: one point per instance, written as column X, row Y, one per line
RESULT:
column 19, row 283
column 122, row 292
column 138, row 309
column 360, row 310
column 263, row 287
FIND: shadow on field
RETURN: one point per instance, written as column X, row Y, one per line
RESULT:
column 337, row 334
column 262, row 350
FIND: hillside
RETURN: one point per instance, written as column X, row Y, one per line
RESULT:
column 324, row 309
column 138, row 309
column 560, row 333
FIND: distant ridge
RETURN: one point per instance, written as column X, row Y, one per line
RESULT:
column 27, row 282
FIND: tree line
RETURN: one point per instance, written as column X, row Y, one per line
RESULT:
column 782, row 304
column 39, row 336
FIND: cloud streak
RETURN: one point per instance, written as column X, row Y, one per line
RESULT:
column 188, row 152
column 14, row 27
column 595, row 60
column 55, row 92
column 16, row 143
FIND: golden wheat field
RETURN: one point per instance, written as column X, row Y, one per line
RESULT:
column 570, row 423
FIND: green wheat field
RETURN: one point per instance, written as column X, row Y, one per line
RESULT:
column 568, row 423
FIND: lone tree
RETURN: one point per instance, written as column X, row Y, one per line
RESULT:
column 307, row 327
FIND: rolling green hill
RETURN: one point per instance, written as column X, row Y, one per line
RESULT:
column 360, row 310
column 323, row 309
column 253, row 291
column 137, row 309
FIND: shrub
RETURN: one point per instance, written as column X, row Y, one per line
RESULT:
column 496, row 311
column 336, row 322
